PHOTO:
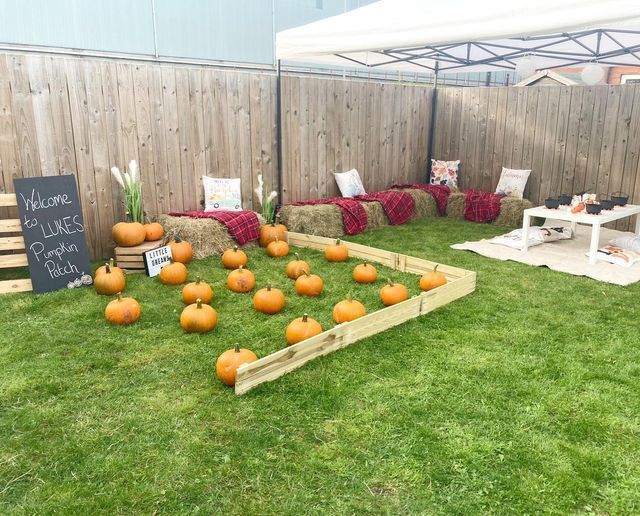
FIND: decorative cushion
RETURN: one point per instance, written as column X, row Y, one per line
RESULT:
column 444, row 173
column 221, row 194
column 617, row 255
column 512, row 182
column 350, row 183
column 631, row 242
column 537, row 236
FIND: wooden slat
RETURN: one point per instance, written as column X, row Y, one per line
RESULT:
column 13, row 260
column 11, row 243
column 8, row 200
column 10, row 226
column 17, row 285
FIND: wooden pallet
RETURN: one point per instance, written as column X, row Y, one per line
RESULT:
column 460, row 282
column 10, row 242
column 130, row 258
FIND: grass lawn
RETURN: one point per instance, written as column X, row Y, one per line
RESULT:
column 523, row 397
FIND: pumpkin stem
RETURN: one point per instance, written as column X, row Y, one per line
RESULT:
column 305, row 317
column 197, row 280
column 297, row 256
column 177, row 239
column 240, row 268
column 235, row 248
column 338, row 241
column 111, row 262
column 269, row 287
column 390, row 282
column 276, row 238
column 107, row 268
column 119, row 294
column 349, row 297
column 435, row 269
column 236, row 348
column 306, row 272
column 199, row 303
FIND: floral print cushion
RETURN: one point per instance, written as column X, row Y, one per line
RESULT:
column 444, row 173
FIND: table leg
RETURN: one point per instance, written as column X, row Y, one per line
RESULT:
column 595, row 243
column 638, row 225
column 574, row 229
column 526, row 222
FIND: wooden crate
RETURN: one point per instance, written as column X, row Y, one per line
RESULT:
column 460, row 282
column 130, row 258
column 12, row 241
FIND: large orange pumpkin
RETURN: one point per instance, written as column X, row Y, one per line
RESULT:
column 128, row 234
column 153, row 231
column 269, row 232
column 228, row 363
column 337, row 252
column 301, row 329
column 181, row 250
column 365, row 273
column 309, row 284
column 269, row 300
column 241, row 280
column 174, row 273
column 393, row 293
column 432, row 279
column 109, row 283
column 348, row 310
column 278, row 248
column 296, row 267
column 233, row 258
column 198, row 318
column 197, row 290
column 123, row 310
column 114, row 269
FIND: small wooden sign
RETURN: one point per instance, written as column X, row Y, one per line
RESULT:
column 155, row 259
column 54, row 233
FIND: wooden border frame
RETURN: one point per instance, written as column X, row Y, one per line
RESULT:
column 460, row 282
column 12, row 243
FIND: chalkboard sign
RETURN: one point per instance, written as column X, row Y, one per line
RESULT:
column 155, row 259
column 53, row 232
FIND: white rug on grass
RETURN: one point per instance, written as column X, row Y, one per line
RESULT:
column 563, row 255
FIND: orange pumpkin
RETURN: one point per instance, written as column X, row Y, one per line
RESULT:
column 114, row 269
column 181, row 250
column 233, row 258
column 337, row 252
column 309, row 284
column 278, row 248
column 301, row 329
column 198, row 318
column 109, row 283
column 197, row 290
column 123, row 310
column 393, row 293
column 432, row 279
column 365, row 273
column 269, row 300
column 269, row 232
column 228, row 363
column 174, row 273
column 128, row 234
column 348, row 310
column 241, row 280
column 153, row 231
column 296, row 267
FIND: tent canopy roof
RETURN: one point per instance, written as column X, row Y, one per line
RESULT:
column 468, row 35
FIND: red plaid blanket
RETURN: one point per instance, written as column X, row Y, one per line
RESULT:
column 243, row 226
column 398, row 206
column 354, row 218
column 481, row 206
column 439, row 192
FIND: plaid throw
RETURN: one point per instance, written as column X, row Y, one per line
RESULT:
column 354, row 218
column 398, row 206
column 243, row 226
column 481, row 206
column 439, row 192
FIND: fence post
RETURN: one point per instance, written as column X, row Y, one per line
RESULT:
column 432, row 122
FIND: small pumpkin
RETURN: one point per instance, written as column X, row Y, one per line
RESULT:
column 197, row 290
column 301, row 329
column 278, row 248
column 174, row 273
column 365, row 273
column 122, row 310
column 269, row 300
column 128, row 234
column 109, row 283
column 114, row 269
column 337, row 252
column 153, row 231
column 241, row 280
column 432, row 279
column 348, row 310
column 181, row 250
column 296, row 267
column 309, row 284
column 393, row 293
column 228, row 363
column 232, row 258
column 269, row 233
column 198, row 318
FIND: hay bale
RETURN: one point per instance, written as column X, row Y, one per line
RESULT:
column 376, row 216
column 425, row 204
column 208, row 237
column 455, row 205
column 512, row 211
column 315, row 219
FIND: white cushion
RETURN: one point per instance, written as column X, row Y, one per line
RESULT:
column 221, row 194
column 537, row 236
column 512, row 182
column 631, row 242
column 350, row 183
column 617, row 255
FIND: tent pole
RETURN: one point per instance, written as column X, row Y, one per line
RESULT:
column 279, row 133
column 432, row 121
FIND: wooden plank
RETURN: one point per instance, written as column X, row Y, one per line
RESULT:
column 332, row 140
column 632, row 153
column 539, row 139
column 244, row 141
column 596, row 135
column 551, row 124
column 310, row 171
column 573, row 128
column 13, row 260
column 612, row 124
column 10, row 226
column 191, row 136
column 268, row 157
column 324, row 175
column 481, row 140
column 584, row 138
column 8, row 199
column 497, row 156
column 9, row 153
column 159, row 139
column 294, row 140
column 171, row 138
column 222, row 140
column 529, row 134
column 128, row 132
column 11, row 243
column 487, row 150
column 563, row 117
column 16, row 285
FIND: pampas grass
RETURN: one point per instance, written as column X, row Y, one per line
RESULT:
column 132, row 187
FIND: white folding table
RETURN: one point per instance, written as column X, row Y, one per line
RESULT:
column 595, row 221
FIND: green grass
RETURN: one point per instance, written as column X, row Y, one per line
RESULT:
column 523, row 397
